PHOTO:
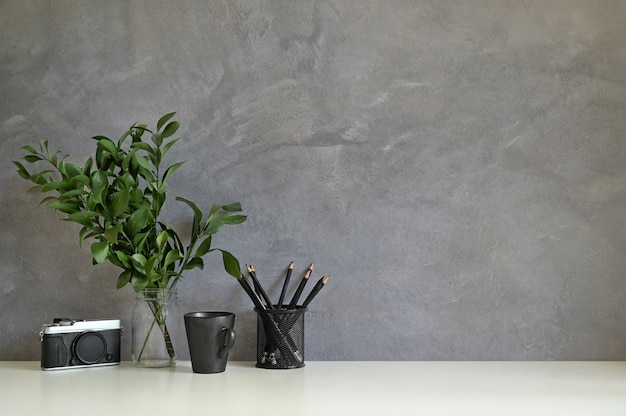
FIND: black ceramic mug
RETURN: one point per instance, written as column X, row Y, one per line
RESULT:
column 210, row 336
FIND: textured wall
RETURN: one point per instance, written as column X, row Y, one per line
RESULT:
column 457, row 167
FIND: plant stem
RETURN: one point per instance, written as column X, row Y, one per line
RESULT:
column 158, row 303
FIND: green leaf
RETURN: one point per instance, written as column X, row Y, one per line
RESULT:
column 106, row 144
column 94, row 200
column 57, row 186
column 72, row 169
column 83, row 217
column 136, row 196
column 162, row 240
column 39, row 179
column 170, row 129
column 124, row 278
column 197, row 215
column 99, row 181
column 103, row 159
column 137, row 221
column 236, row 219
column 171, row 170
column 204, row 247
column 87, row 167
column 73, row 193
column 139, row 260
column 139, row 281
column 122, row 138
column 231, row 264
column 36, row 188
column 218, row 220
column 99, row 251
column 193, row 263
column 127, row 159
column 99, row 158
column 150, row 272
column 214, row 209
column 33, row 158
column 167, row 147
column 29, row 149
column 157, row 139
column 234, row 207
column 173, row 235
column 92, row 233
column 164, row 119
column 21, row 170
column 143, row 162
column 137, row 131
column 120, row 202
column 143, row 146
column 64, row 207
column 44, row 148
column 81, row 235
column 82, row 179
column 47, row 199
column 139, row 240
column 123, row 258
column 112, row 258
column 147, row 175
column 161, row 187
column 111, row 234
column 171, row 257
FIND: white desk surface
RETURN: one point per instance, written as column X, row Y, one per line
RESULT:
column 593, row 388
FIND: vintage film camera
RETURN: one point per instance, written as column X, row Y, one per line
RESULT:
column 74, row 343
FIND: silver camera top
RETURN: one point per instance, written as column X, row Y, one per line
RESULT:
column 65, row 325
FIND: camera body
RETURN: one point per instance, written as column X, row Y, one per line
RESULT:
column 73, row 343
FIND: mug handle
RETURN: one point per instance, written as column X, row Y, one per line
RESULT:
column 227, row 339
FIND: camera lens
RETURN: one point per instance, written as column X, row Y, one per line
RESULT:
column 90, row 347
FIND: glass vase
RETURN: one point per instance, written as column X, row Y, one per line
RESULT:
column 156, row 328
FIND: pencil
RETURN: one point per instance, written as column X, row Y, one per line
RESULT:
column 296, row 296
column 258, row 286
column 246, row 286
column 316, row 289
column 285, row 284
column 271, row 327
column 254, row 285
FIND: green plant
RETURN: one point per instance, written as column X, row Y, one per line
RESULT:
column 117, row 196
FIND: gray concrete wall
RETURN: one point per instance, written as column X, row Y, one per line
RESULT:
column 456, row 167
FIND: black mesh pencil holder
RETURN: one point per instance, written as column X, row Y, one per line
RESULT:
column 280, row 338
